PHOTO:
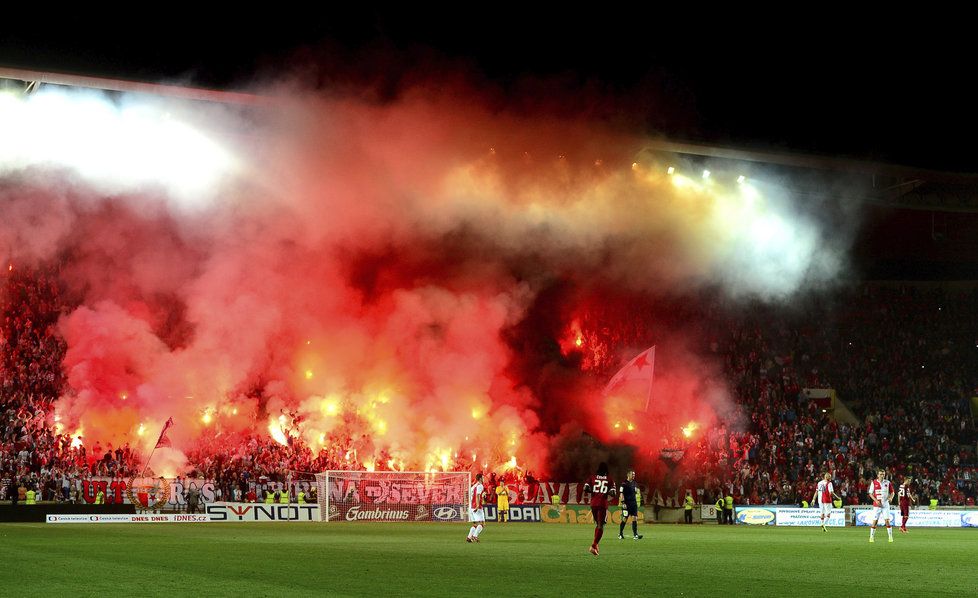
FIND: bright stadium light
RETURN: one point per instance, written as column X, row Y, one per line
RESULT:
column 741, row 179
column 680, row 180
column 115, row 145
column 706, row 174
column 670, row 170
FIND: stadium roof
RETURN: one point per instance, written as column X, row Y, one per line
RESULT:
column 850, row 87
column 849, row 179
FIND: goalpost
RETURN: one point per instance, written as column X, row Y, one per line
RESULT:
column 393, row 495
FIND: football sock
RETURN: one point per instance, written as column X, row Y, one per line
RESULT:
column 635, row 528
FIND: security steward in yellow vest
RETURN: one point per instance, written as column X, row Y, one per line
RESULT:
column 555, row 503
column 100, row 497
column 269, row 497
column 30, row 497
column 283, row 498
column 719, row 509
column 301, row 498
column 688, row 507
column 502, row 502
column 728, row 510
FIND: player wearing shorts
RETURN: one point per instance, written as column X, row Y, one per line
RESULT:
column 824, row 493
column 881, row 491
column 629, row 506
column 906, row 497
column 599, row 487
column 477, row 514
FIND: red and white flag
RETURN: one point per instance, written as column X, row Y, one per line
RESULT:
column 641, row 369
column 164, row 441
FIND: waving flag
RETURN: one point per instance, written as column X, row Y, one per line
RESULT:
column 640, row 369
column 164, row 441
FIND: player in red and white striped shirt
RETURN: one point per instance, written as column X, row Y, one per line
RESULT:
column 477, row 515
column 824, row 493
column 881, row 491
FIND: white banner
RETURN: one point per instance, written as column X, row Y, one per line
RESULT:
column 708, row 512
column 809, row 517
column 242, row 511
column 127, row 518
column 922, row 518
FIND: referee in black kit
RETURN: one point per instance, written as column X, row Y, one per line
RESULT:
column 629, row 507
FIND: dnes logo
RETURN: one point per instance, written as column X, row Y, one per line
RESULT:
column 445, row 513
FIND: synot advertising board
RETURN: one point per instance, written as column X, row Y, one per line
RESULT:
column 237, row 512
column 216, row 512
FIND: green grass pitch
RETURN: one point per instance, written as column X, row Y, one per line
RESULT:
column 406, row 559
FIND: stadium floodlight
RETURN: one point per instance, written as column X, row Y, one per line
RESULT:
column 671, row 170
column 706, row 174
column 129, row 142
column 393, row 495
column 741, row 179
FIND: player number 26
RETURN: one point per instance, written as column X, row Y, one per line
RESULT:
column 600, row 486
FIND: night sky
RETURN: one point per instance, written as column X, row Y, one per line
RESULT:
column 896, row 90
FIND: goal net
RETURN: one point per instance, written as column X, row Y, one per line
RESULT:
column 393, row 495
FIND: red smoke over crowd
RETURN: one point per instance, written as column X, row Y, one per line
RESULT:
column 430, row 282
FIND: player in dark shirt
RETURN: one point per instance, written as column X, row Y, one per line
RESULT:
column 629, row 506
column 599, row 487
column 906, row 497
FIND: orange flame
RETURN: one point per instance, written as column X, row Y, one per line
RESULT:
column 275, row 429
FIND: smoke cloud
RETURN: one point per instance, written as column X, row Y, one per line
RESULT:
column 377, row 273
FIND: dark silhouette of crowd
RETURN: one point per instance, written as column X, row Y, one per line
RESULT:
column 902, row 358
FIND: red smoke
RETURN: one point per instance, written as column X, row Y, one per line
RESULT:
column 376, row 272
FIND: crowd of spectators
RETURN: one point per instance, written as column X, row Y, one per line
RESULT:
column 903, row 359
column 904, row 362
column 34, row 454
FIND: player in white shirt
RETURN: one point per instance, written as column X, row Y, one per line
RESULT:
column 824, row 493
column 881, row 491
column 477, row 514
